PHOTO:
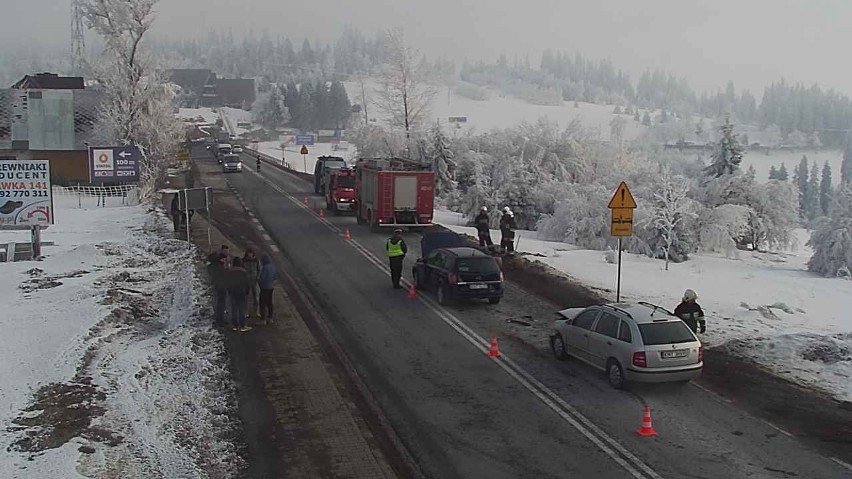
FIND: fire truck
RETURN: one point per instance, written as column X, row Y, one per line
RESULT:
column 393, row 192
column 340, row 190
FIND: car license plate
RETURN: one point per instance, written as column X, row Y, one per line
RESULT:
column 682, row 353
column 478, row 286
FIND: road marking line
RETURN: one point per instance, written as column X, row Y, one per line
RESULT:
column 265, row 236
column 844, row 464
column 773, row 426
column 571, row 415
column 274, row 248
column 715, row 395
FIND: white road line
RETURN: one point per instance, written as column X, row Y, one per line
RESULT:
column 612, row 448
column 843, row 464
column 274, row 248
column 265, row 236
column 716, row 396
column 773, row 426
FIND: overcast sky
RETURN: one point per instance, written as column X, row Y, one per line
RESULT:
column 752, row 42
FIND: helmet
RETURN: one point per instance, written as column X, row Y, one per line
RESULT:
column 689, row 295
column 484, row 209
column 507, row 210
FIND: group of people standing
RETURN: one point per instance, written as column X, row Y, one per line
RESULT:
column 243, row 285
column 507, row 230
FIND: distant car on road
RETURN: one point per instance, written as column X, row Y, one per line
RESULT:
column 456, row 271
column 232, row 163
column 237, row 149
column 221, row 150
column 638, row 342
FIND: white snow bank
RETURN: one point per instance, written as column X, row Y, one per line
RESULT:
column 198, row 115
column 765, row 306
column 294, row 160
column 111, row 316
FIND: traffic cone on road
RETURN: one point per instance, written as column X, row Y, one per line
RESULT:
column 494, row 350
column 322, row 215
column 346, row 234
column 647, row 428
column 412, row 291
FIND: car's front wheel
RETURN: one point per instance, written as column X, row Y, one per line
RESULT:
column 615, row 374
column 557, row 344
column 443, row 298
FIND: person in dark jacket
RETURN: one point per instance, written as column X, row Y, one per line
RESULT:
column 216, row 271
column 483, row 228
column 690, row 312
column 238, row 286
column 251, row 264
column 266, row 281
column 507, row 231
column 396, row 249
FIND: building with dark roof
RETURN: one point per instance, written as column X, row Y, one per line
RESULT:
column 236, row 92
column 49, row 81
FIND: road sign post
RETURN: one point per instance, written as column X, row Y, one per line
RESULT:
column 621, row 207
column 304, row 152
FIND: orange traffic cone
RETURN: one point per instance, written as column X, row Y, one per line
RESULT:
column 305, row 200
column 412, row 291
column 647, row 428
column 322, row 214
column 346, row 234
column 494, row 350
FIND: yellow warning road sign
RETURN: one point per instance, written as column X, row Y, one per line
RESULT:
column 622, row 222
column 304, row 150
column 622, row 198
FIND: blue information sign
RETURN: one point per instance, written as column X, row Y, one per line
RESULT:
column 304, row 139
column 114, row 164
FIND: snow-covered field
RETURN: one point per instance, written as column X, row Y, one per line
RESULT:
column 764, row 306
column 762, row 162
column 198, row 115
column 296, row 161
column 111, row 368
column 505, row 112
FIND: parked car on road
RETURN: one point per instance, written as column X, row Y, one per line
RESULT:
column 638, row 342
column 221, row 150
column 237, row 149
column 456, row 271
column 232, row 163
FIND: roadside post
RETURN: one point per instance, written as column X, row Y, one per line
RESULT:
column 304, row 153
column 27, row 200
column 621, row 207
column 198, row 199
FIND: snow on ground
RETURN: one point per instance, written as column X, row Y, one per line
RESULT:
column 295, row 161
column 198, row 115
column 763, row 306
column 111, row 367
column 506, row 112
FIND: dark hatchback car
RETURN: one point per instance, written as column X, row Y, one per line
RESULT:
column 456, row 271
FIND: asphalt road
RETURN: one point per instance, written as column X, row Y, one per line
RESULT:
column 461, row 414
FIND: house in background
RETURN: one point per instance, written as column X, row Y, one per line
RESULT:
column 202, row 87
column 236, row 92
column 49, row 117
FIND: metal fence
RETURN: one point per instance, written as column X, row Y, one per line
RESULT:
column 95, row 196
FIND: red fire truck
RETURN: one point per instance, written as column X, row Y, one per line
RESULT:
column 394, row 193
column 340, row 191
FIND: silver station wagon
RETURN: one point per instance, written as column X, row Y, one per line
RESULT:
column 638, row 342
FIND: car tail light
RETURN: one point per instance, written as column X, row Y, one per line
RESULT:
column 639, row 359
column 700, row 353
column 452, row 278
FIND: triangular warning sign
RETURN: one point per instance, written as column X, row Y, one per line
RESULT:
column 622, row 198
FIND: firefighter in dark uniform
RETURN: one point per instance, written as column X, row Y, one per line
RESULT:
column 690, row 312
column 483, row 228
column 396, row 249
column 507, row 231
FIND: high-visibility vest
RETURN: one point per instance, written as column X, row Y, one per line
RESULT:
column 395, row 249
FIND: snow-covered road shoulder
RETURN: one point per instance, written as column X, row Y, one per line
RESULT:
column 112, row 368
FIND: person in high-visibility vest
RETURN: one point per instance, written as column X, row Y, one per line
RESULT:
column 396, row 249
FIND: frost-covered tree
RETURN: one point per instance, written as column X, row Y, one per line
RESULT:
column 797, row 139
column 405, row 92
column 800, row 179
column 814, row 140
column 773, row 173
column 825, row 189
column 727, row 153
column 846, row 165
column 443, row 162
column 782, row 173
column 721, row 228
column 831, row 239
column 340, row 108
column 616, row 131
column 580, row 217
column 772, row 136
column 137, row 105
column 812, row 191
column 269, row 109
column 671, row 207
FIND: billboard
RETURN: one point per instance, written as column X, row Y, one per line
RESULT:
column 114, row 164
column 305, row 139
column 25, row 195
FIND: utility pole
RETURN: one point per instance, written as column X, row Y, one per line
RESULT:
column 78, row 37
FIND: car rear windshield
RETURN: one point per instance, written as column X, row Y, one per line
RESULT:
column 477, row 265
column 670, row 332
column 346, row 181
